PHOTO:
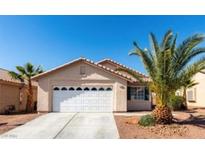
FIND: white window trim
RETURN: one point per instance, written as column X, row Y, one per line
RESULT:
column 193, row 90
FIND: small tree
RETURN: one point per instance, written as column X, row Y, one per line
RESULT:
column 24, row 74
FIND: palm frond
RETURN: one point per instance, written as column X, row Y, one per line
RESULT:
column 191, row 70
column 37, row 71
column 21, row 70
column 173, row 46
column 167, row 40
column 16, row 76
column 186, row 46
column 154, row 44
column 183, row 61
column 29, row 68
column 136, row 50
column 191, row 42
column 25, row 72
column 192, row 84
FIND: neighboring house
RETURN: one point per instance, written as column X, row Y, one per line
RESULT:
column 196, row 94
column 85, row 86
column 12, row 93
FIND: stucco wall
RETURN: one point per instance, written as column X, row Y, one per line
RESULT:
column 200, row 91
column 138, row 105
column 70, row 76
column 10, row 95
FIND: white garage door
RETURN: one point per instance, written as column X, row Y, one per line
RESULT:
column 82, row 99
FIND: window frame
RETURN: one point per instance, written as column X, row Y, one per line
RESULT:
column 108, row 89
column 79, row 89
column 86, row 89
column 193, row 91
column 94, row 89
column 71, row 89
column 101, row 89
column 56, row 89
column 64, row 89
column 136, row 94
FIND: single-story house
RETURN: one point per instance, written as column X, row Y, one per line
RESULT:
column 13, row 93
column 86, row 86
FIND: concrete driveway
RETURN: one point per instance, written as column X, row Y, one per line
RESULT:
column 67, row 126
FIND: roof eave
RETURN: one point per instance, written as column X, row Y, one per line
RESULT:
column 116, row 63
column 88, row 62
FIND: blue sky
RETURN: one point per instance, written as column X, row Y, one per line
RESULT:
column 54, row 40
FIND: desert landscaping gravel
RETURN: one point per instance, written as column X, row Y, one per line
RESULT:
column 8, row 122
column 188, row 125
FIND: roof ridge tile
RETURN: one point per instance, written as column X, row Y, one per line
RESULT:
column 107, row 59
column 87, row 60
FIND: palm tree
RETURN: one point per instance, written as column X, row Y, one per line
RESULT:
column 169, row 66
column 24, row 75
column 187, row 84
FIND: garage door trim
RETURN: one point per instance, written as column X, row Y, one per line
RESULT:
column 82, row 98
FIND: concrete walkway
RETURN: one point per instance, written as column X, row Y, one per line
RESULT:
column 67, row 126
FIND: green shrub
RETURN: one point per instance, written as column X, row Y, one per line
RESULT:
column 147, row 120
column 176, row 103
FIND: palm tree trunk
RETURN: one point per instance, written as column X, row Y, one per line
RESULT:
column 162, row 113
column 185, row 99
column 30, row 97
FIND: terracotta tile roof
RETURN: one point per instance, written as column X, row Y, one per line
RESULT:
column 145, row 77
column 4, row 76
column 108, row 69
column 89, row 62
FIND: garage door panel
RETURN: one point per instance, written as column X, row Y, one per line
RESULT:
column 79, row 100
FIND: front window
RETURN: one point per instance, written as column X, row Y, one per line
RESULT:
column 191, row 95
column 138, row 93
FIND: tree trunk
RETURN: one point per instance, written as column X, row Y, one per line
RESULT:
column 29, row 97
column 162, row 114
column 185, row 99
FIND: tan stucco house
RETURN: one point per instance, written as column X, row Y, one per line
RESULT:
column 13, row 93
column 86, row 86
column 196, row 94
